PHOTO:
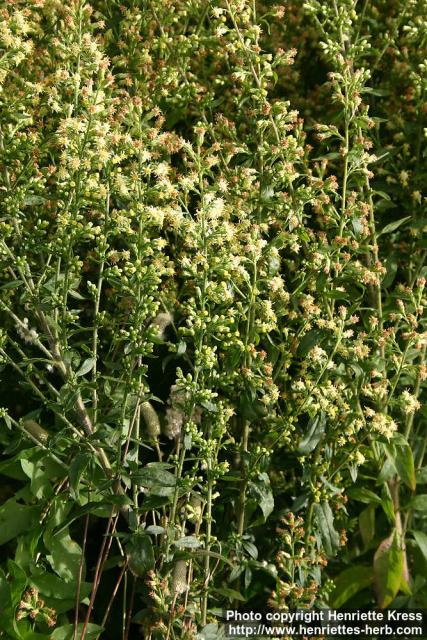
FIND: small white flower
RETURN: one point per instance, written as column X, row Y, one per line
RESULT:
column 359, row 458
column 317, row 354
column 220, row 31
column 384, row 425
column 410, row 404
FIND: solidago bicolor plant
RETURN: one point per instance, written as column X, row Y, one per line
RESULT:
column 212, row 297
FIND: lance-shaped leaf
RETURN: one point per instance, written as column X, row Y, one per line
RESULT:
column 315, row 431
column 388, row 570
column 350, row 582
column 402, row 458
column 325, row 522
column 140, row 554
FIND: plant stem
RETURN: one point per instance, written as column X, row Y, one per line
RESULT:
column 208, row 519
column 79, row 578
column 244, row 481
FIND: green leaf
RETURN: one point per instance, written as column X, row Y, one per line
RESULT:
column 65, row 555
column 419, row 222
column 332, row 155
column 14, row 284
column 350, row 582
column 231, row 594
column 26, row 548
column 362, row 494
column 387, row 504
column 17, row 583
column 209, row 406
column 422, row 475
column 403, row 459
column 388, row 470
column 325, row 522
column 66, row 632
column 357, row 226
column 315, row 431
column 250, row 407
column 87, row 366
column 392, row 226
column 212, row 632
column 310, row 340
column 154, row 530
column 150, row 476
column 33, row 200
column 77, row 469
column 89, row 507
column 391, row 266
column 158, row 481
column 40, row 484
column 76, row 295
column 140, row 554
column 161, row 491
column 263, row 494
column 419, row 503
column 388, row 570
column 29, row 454
column 188, row 542
column 421, row 539
column 182, row 348
column 367, row 524
column 16, row 518
column 251, row 549
column 382, row 194
column 52, row 586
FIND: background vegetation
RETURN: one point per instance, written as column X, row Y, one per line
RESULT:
column 212, row 302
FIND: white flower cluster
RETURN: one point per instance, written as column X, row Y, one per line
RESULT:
column 410, row 404
column 381, row 423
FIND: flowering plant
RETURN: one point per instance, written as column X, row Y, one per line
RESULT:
column 212, row 297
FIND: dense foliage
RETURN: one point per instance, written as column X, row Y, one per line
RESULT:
column 212, row 302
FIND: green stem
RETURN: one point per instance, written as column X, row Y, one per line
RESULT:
column 95, row 317
column 208, row 518
column 244, row 481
